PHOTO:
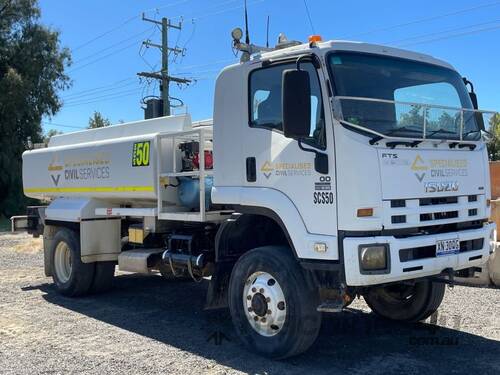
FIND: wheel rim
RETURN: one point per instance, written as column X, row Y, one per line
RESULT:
column 62, row 261
column 264, row 304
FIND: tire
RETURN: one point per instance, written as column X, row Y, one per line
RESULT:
column 103, row 277
column 71, row 276
column 406, row 303
column 296, row 321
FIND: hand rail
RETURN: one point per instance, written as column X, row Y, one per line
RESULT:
column 425, row 108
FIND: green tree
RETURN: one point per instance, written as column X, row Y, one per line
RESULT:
column 494, row 138
column 98, row 121
column 32, row 64
column 50, row 134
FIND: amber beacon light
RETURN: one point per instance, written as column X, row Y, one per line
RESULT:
column 315, row 38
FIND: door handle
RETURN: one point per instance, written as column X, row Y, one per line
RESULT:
column 251, row 169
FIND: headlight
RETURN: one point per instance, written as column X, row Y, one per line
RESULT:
column 374, row 257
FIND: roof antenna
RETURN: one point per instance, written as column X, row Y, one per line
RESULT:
column 267, row 33
column 247, row 37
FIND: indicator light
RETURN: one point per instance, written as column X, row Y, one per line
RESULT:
column 365, row 212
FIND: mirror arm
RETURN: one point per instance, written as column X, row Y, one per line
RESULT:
column 467, row 82
column 301, row 146
column 320, row 158
column 312, row 57
column 299, row 60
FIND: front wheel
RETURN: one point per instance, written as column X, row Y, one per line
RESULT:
column 406, row 302
column 273, row 304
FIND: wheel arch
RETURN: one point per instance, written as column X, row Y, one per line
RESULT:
column 250, row 228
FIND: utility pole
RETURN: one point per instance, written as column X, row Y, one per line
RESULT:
column 163, row 75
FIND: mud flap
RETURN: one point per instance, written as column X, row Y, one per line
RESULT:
column 218, row 286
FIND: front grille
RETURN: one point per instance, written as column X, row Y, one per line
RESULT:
column 406, row 255
column 439, row 216
column 423, row 212
column 436, row 201
column 396, row 203
column 398, row 219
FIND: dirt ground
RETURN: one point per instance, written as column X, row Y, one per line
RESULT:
column 148, row 325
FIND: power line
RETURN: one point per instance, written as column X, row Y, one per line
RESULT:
column 111, row 46
column 62, row 125
column 442, row 32
column 127, row 21
column 77, row 101
column 224, row 61
column 78, row 93
column 98, row 89
column 309, row 17
column 90, row 94
column 199, row 16
column 453, row 36
column 103, row 57
column 102, row 100
column 420, row 20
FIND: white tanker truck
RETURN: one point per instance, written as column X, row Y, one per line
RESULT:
column 330, row 170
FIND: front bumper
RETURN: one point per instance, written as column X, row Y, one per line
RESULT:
column 412, row 269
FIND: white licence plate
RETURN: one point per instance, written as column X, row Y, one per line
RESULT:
column 447, row 247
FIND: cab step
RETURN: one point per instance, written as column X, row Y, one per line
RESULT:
column 331, row 306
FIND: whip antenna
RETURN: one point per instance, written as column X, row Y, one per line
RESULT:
column 267, row 33
column 247, row 37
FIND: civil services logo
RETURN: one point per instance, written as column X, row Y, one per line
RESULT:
column 419, row 167
column 55, row 168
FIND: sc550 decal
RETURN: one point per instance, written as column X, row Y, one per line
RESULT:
column 323, row 193
column 140, row 154
column 323, row 197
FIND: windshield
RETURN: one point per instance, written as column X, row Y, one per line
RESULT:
column 409, row 96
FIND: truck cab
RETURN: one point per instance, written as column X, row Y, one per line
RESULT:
column 391, row 164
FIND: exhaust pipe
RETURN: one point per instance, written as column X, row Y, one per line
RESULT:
column 191, row 262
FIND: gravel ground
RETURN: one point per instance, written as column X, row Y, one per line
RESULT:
column 148, row 325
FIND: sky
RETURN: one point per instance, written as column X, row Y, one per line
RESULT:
column 105, row 38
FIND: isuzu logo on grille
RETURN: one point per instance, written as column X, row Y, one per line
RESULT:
column 437, row 187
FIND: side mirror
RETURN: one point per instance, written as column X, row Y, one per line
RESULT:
column 478, row 115
column 296, row 103
column 473, row 99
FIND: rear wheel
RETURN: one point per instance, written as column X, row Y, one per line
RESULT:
column 406, row 302
column 272, row 304
column 71, row 276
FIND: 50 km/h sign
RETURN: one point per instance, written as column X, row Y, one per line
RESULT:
column 140, row 154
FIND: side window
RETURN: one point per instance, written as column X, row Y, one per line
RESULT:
column 265, row 101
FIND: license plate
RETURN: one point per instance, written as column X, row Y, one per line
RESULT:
column 447, row 247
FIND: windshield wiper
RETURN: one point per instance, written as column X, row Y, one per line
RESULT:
column 471, row 146
column 406, row 128
column 439, row 131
